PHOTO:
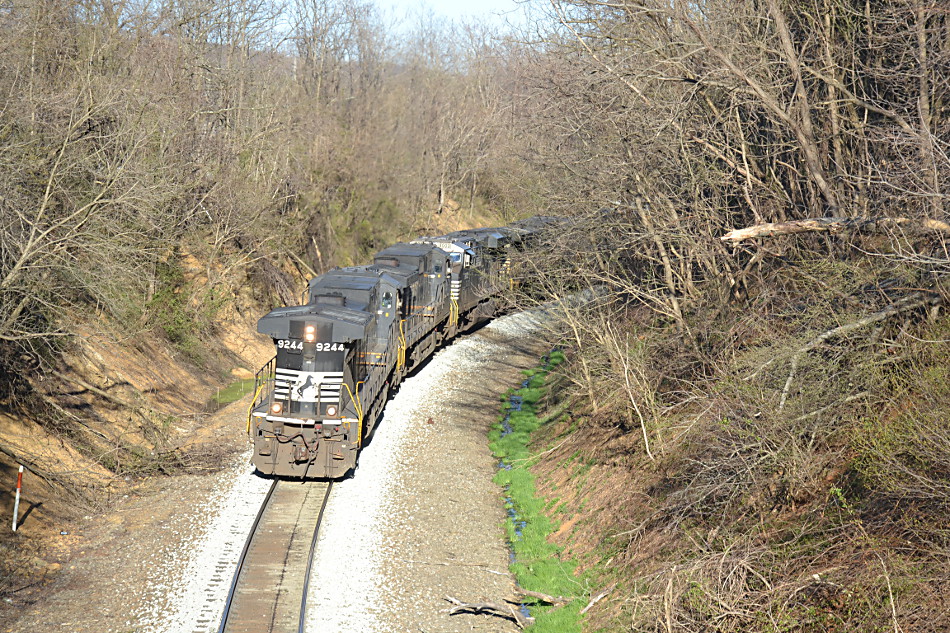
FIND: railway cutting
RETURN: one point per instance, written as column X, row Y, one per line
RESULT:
column 269, row 590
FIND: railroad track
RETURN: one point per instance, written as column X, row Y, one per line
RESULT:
column 269, row 590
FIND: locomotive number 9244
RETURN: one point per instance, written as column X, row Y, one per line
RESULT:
column 296, row 346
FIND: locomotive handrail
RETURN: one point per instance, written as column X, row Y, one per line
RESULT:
column 454, row 313
column 250, row 409
column 359, row 411
column 264, row 375
column 402, row 344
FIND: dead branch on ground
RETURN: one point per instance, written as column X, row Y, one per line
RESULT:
column 603, row 594
column 558, row 601
column 910, row 302
column 507, row 611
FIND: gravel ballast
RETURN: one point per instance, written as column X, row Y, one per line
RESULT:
column 422, row 520
column 189, row 590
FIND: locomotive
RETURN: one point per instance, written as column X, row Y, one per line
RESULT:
column 340, row 356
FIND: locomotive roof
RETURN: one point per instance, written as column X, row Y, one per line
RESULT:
column 400, row 277
column 406, row 250
column 348, row 324
column 338, row 313
column 445, row 243
column 492, row 238
column 536, row 224
column 361, row 278
column 478, row 233
column 344, row 283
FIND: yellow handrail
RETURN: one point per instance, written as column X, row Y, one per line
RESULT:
column 401, row 359
column 454, row 313
column 359, row 411
column 250, row 409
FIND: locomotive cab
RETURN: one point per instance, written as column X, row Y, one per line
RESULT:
column 307, row 418
column 428, row 261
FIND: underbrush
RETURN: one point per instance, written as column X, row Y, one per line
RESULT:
column 185, row 311
column 780, row 487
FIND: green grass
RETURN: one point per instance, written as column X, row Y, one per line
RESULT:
column 538, row 564
column 234, row 392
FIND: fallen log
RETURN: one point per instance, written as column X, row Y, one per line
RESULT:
column 558, row 601
column 836, row 225
column 507, row 611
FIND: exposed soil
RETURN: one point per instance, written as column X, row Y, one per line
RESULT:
column 76, row 561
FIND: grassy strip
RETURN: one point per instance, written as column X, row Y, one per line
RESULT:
column 537, row 564
column 234, row 392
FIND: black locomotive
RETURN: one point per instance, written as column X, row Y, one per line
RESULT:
column 341, row 355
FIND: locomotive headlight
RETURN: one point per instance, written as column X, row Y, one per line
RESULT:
column 277, row 407
column 310, row 333
column 331, row 410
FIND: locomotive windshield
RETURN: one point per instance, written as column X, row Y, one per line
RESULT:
column 300, row 359
column 328, row 361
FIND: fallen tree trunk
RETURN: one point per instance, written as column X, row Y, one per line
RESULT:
column 836, row 225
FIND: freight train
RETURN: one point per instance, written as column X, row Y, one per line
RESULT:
column 340, row 356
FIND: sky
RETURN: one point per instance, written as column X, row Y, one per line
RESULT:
column 491, row 11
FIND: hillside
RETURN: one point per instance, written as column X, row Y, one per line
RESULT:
column 774, row 479
column 115, row 415
column 170, row 175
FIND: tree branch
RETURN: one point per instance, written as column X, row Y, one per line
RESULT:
column 835, row 225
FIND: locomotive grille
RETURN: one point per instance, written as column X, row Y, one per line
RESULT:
column 299, row 385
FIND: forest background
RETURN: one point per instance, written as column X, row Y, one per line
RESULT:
column 769, row 410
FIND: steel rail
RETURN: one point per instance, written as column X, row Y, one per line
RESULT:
column 313, row 548
column 240, row 565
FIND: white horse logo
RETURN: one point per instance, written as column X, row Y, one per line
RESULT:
column 306, row 390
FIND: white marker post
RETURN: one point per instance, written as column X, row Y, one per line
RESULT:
column 16, row 504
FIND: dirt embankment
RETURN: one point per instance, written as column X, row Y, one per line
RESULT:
column 114, row 412
column 746, row 518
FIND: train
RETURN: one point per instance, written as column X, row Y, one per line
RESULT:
column 363, row 329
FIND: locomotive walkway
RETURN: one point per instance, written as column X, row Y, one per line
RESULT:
column 269, row 591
